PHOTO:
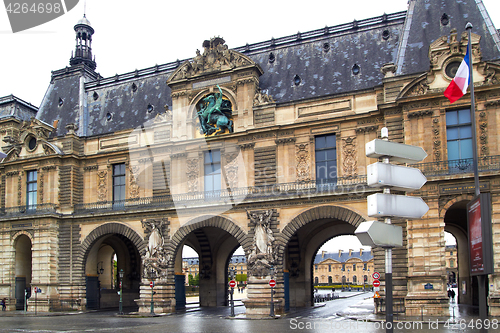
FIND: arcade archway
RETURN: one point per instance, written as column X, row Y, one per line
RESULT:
column 23, row 266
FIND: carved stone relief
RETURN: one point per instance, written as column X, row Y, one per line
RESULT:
column 303, row 159
column 349, row 150
column 231, row 169
column 102, row 190
column 263, row 254
column 134, row 187
column 262, row 97
column 436, row 139
column 483, row 133
column 192, row 175
column 155, row 258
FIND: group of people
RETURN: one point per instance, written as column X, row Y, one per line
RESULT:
column 451, row 294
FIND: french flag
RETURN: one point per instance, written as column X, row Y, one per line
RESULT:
column 458, row 86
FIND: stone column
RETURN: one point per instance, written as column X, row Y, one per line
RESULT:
column 263, row 256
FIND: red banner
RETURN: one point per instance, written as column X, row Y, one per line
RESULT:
column 475, row 237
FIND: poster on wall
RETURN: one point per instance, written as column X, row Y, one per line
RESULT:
column 479, row 226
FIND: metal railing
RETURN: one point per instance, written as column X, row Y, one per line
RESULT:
column 337, row 186
column 48, row 208
column 453, row 167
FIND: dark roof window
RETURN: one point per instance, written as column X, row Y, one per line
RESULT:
column 326, row 47
column 134, row 87
column 95, row 96
column 445, row 19
column 150, row 108
column 271, row 57
column 356, row 69
column 61, row 101
column 109, row 116
column 296, row 80
column 386, row 34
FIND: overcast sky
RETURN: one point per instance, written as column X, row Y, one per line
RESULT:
column 140, row 34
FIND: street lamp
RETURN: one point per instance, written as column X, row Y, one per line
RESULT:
column 152, row 284
column 100, row 270
column 271, row 270
column 348, row 284
column 121, row 291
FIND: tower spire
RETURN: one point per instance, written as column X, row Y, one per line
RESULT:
column 83, row 49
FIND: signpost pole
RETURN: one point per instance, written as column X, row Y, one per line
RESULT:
column 272, row 292
column 232, row 292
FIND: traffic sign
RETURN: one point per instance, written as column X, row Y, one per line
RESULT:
column 375, row 233
column 398, row 152
column 151, row 284
column 272, row 283
column 376, row 275
column 232, row 283
column 396, row 177
column 376, row 295
column 387, row 205
column 376, row 283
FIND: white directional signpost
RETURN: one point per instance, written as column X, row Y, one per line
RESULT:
column 386, row 205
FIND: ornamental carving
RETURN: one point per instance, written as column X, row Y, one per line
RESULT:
column 436, row 148
column 102, row 188
column 231, row 169
column 134, row 187
column 216, row 56
column 155, row 258
column 483, row 133
column 263, row 254
column 262, row 97
column 349, row 150
column 192, row 175
column 163, row 117
column 303, row 159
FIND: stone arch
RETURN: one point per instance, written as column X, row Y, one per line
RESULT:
column 341, row 213
column 220, row 222
column 442, row 211
column 105, row 229
column 15, row 237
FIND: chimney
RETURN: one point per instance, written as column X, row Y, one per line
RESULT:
column 340, row 253
column 323, row 254
column 360, row 252
column 350, row 252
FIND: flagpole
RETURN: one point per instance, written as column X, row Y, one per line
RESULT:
column 468, row 27
column 481, row 279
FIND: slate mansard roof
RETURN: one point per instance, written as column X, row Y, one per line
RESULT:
column 319, row 63
column 343, row 257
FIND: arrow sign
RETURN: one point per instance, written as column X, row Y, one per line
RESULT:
column 375, row 233
column 386, row 205
column 396, row 177
column 398, row 152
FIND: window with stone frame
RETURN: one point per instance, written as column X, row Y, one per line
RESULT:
column 459, row 140
column 119, row 184
column 326, row 159
column 31, row 189
column 212, row 171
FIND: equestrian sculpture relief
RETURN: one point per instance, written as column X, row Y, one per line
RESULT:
column 214, row 114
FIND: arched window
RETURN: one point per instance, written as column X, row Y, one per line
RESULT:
column 354, row 279
column 316, row 280
column 329, row 279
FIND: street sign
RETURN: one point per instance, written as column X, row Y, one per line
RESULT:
column 272, row 283
column 375, row 233
column 232, row 283
column 387, row 205
column 376, row 295
column 398, row 152
column 376, row 283
column 376, row 275
column 397, row 177
column 151, row 284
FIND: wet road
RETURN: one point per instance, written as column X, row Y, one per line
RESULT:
column 323, row 319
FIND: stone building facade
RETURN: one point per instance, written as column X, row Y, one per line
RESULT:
column 344, row 268
column 260, row 146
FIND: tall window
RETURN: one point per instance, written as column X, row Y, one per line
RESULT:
column 31, row 189
column 329, row 268
column 353, row 267
column 326, row 159
column 212, row 171
column 119, row 183
column 459, row 134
